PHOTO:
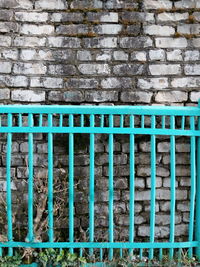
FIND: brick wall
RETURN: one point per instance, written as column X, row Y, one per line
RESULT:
column 104, row 52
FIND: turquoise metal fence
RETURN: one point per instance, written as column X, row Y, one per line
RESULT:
column 102, row 120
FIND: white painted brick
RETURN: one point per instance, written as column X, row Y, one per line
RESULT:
column 163, row 42
column 188, row 82
column 5, row 40
column 33, row 29
column 29, row 68
column 110, row 17
column 154, row 83
column 195, row 96
column 166, row 16
column 4, row 93
column 196, row 42
column 192, row 69
column 51, row 4
column 139, row 56
column 31, row 16
column 157, row 4
column 120, row 56
column 171, row 96
column 183, row 4
column 94, row 69
column 28, row 96
column 175, row 55
column 108, row 29
column 5, row 67
column 47, row 82
column 191, row 55
column 158, row 54
column 161, row 69
column 159, row 30
column 29, row 41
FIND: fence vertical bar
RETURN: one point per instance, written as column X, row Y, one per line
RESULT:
column 71, row 181
column 30, row 180
column 8, row 185
column 111, row 192
column 197, row 224
column 50, row 180
column 172, row 185
column 153, row 186
column 193, row 183
column 91, row 197
column 132, row 182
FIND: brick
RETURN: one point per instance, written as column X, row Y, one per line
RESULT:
column 87, row 4
column 159, row 30
column 9, row 54
column 68, row 42
column 28, row 96
column 67, row 17
column 50, row 4
column 167, row 42
column 116, row 4
column 172, row 17
column 189, row 29
column 196, row 42
column 139, row 56
column 32, row 29
column 100, row 42
column 196, row 16
column 82, row 83
column 47, row 82
column 72, row 29
column 6, row 15
column 14, row 81
column 120, row 56
column 162, row 69
column 129, row 69
column 174, row 97
column 31, row 16
column 195, row 96
column 29, row 68
column 4, row 93
column 102, row 16
column 128, row 17
column 188, row 82
column 104, row 55
column 159, row 4
column 136, row 97
column 157, row 55
column 116, row 83
column 133, row 29
column 62, row 69
column 192, row 69
column 32, row 54
column 73, row 96
column 101, row 96
column 108, row 29
column 7, row 27
column 184, row 4
column 5, row 40
column 84, row 55
column 5, row 67
column 94, row 69
column 67, row 55
column 25, row 4
column 135, row 42
column 191, row 55
column 175, row 55
column 29, row 41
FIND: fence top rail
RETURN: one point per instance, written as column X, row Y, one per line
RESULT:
column 98, row 110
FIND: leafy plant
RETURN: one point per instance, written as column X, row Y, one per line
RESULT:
column 10, row 261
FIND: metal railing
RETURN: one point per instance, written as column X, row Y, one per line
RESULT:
column 102, row 120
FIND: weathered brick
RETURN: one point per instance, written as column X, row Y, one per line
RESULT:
column 159, row 4
column 94, row 69
column 116, row 4
column 50, row 4
column 159, row 30
column 84, row 55
column 8, row 27
column 25, row 4
column 134, row 29
column 158, row 54
column 5, row 67
column 173, row 96
column 66, row 55
column 28, row 96
column 6, row 15
column 196, row 16
column 137, row 97
column 196, row 42
column 29, row 41
column 116, row 83
column 166, row 42
column 47, row 82
column 72, row 29
column 108, row 29
column 29, row 68
column 188, row 82
column 195, row 96
column 87, row 4
column 33, row 54
column 175, row 55
column 129, row 69
column 100, row 42
column 120, row 56
column 31, row 16
column 189, row 29
column 184, row 4
column 4, row 93
column 14, row 81
column 191, row 55
column 69, row 42
column 103, row 16
column 128, row 17
column 9, row 54
column 162, row 69
column 139, row 56
column 67, row 17
column 192, row 69
column 104, row 55
column 101, row 96
column 33, row 29
column 155, row 83
column 171, row 17
column 135, row 42
column 5, row 40
column 83, row 83
column 62, row 69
